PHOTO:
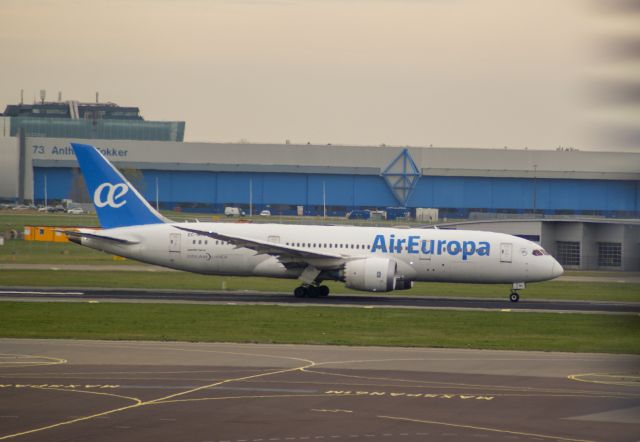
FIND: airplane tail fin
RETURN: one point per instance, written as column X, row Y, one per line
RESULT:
column 117, row 202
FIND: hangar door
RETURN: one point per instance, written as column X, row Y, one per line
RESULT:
column 506, row 250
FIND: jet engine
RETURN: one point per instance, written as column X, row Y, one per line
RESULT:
column 370, row 274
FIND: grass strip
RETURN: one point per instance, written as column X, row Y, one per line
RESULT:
column 319, row 325
column 592, row 291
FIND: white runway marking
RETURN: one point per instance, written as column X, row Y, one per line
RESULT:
column 25, row 292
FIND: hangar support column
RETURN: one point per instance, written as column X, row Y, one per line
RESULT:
column 631, row 248
column 22, row 164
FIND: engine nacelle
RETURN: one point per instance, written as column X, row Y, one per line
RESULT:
column 370, row 274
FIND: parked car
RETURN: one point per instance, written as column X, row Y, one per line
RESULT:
column 399, row 213
column 233, row 211
column 265, row 213
column 24, row 207
column 76, row 211
column 359, row 214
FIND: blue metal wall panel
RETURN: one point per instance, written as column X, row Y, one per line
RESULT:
column 285, row 188
column 448, row 192
column 372, row 191
column 233, row 188
column 59, row 183
column 514, row 192
column 620, row 196
column 223, row 188
column 339, row 190
column 566, row 196
column 195, row 187
column 541, row 192
column 478, row 192
column 422, row 196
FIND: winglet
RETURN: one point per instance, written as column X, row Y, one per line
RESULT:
column 117, row 202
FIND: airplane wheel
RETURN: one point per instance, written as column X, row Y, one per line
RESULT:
column 514, row 297
column 300, row 292
column 313, row 292
column 324, row 290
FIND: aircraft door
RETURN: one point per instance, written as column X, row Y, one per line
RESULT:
column 174, row 242
column 274, row 239
column 506, row 252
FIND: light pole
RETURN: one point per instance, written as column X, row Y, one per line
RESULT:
column 324, row 201
column 535, row 188
column 250, row 197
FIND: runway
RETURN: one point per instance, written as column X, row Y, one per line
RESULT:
column 58, row 390
column 369, row 301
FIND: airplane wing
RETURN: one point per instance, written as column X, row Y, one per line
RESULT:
column 285, row 254
column 77, row 234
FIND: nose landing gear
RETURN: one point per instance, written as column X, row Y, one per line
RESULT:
column 515, row 296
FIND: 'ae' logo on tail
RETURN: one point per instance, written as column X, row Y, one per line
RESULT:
column 112, row 196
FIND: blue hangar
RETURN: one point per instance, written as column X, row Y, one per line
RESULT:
column 290, row 179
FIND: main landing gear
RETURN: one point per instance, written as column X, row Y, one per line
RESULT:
column 311, row 291
column 515, row 296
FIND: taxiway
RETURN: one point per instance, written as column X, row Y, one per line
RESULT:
column 165, row 391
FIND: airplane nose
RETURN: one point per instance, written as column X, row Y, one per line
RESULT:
column 556, row 269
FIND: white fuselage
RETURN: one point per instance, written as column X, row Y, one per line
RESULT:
column 421, row 254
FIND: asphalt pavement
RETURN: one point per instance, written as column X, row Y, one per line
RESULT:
column 273, row 298
column 67, row 390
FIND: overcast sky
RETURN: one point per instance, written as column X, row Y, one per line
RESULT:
column 473, row 73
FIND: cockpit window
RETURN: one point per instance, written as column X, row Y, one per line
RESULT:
column 538, row 252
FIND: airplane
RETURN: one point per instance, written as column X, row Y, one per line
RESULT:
column 370, row 259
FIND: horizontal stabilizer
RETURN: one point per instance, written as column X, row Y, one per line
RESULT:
column 76, row 234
